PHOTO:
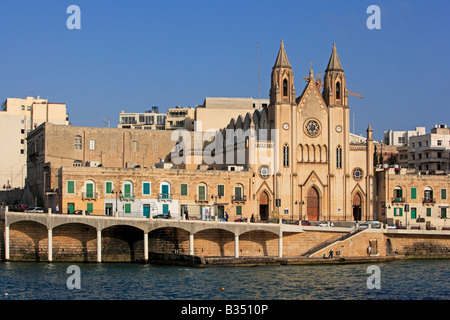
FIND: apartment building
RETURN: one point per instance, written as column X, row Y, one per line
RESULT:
column 17, row 118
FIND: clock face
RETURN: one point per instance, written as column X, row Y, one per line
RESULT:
column 264, row 172
column 286, row 126
column 312, row 128
column 338, row 128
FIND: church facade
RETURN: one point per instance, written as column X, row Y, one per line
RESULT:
column 298, row 151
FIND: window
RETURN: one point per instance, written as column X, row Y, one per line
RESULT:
column 108, row 187
column 338, row 90
column 238, row 192
column 128, row 189
column 286, row 156
column 70, row 207
column 165, row 208
column 71, row 187
column 220, row 190
column 443, row 194
column 428, row 212
column 92, row 144
column 339, row 157
column 89, row 190
column 127, row 207
column 413, row 213
column 439, row 142
column 285, row 87
column 398, row 193
column 202, row 193
column 413, row 193
column 90, row 207
column 165, row 190
column 398, row 212
column 443, row 213
column 146, row 188
column 238, row 210
column 77, row 142
column 184, row 189
column 428, row 194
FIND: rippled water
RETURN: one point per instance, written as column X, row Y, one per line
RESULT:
column 407, row 279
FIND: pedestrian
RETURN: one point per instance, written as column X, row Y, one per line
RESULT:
column 226, row 216
column 186, row 215
column 369, row 250
column 57, row 208
column 331, row 254
column 252, row 219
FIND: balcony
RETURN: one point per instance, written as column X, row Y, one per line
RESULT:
column 89, row 195
column 165, row 197
column 201, row 198
column 127, row 197
column 239, row 198
column 428, row 200
column 398, row 200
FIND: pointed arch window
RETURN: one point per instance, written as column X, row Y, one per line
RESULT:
column 285, row 155
column 338, row 90
column 285, row 87
column 339, row 157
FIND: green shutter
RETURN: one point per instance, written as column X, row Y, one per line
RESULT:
column 127, row 191
column 443, row 213
column 413, row 213
column 220, row 190
column 201, row 192
column 237, row 192
column 413, row 193
column 146, row 188
column 443, row 194
column 165, row 208
column 428, row 212
column 70, row 186
column 401, row 212
column 89, row 190
column 90, row 207
column 238, row 210
column 71, row 207
column 127, row 207
column 184, row 190
column 108, row 187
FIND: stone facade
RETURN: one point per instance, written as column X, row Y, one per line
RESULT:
column 424, row 196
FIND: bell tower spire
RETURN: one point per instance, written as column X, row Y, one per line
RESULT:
column 334, row 90
column 282, row 88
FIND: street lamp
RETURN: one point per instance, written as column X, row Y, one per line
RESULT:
column 215, row 203
column 117, row 192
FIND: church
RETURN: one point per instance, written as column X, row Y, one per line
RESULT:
column 302, row 162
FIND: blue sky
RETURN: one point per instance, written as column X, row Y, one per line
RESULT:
column 131, row 55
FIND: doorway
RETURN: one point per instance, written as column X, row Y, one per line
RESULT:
column 357, row 207
column 312, row 209
column 264, row 206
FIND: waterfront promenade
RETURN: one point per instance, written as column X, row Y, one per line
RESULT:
column 352, row 240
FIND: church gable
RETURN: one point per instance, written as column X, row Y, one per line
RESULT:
column 311, row 103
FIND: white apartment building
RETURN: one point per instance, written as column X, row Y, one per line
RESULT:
column 430, row 152
column 17, row 118
column 401, row 138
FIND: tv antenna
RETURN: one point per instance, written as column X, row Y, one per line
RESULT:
column 107, row 123
column 259, row 87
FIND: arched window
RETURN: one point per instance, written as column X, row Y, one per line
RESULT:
column 165, row 191
column 89, row 190
column 286, row 156
column 338, row 90
column 285, row 87
column 127, row 190
column 428, row 195
column 339, row 157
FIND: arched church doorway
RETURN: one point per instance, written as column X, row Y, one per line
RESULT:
column 264, row 206
column 312, row 208
column 356, row 207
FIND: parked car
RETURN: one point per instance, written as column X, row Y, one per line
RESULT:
column 306, row 223
column 241, row 220
column 162, row 216
column 80, row 212
column 325, row 224
column 391, row 226
column 35, row 210
column 375, row 224
column 294, row 222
